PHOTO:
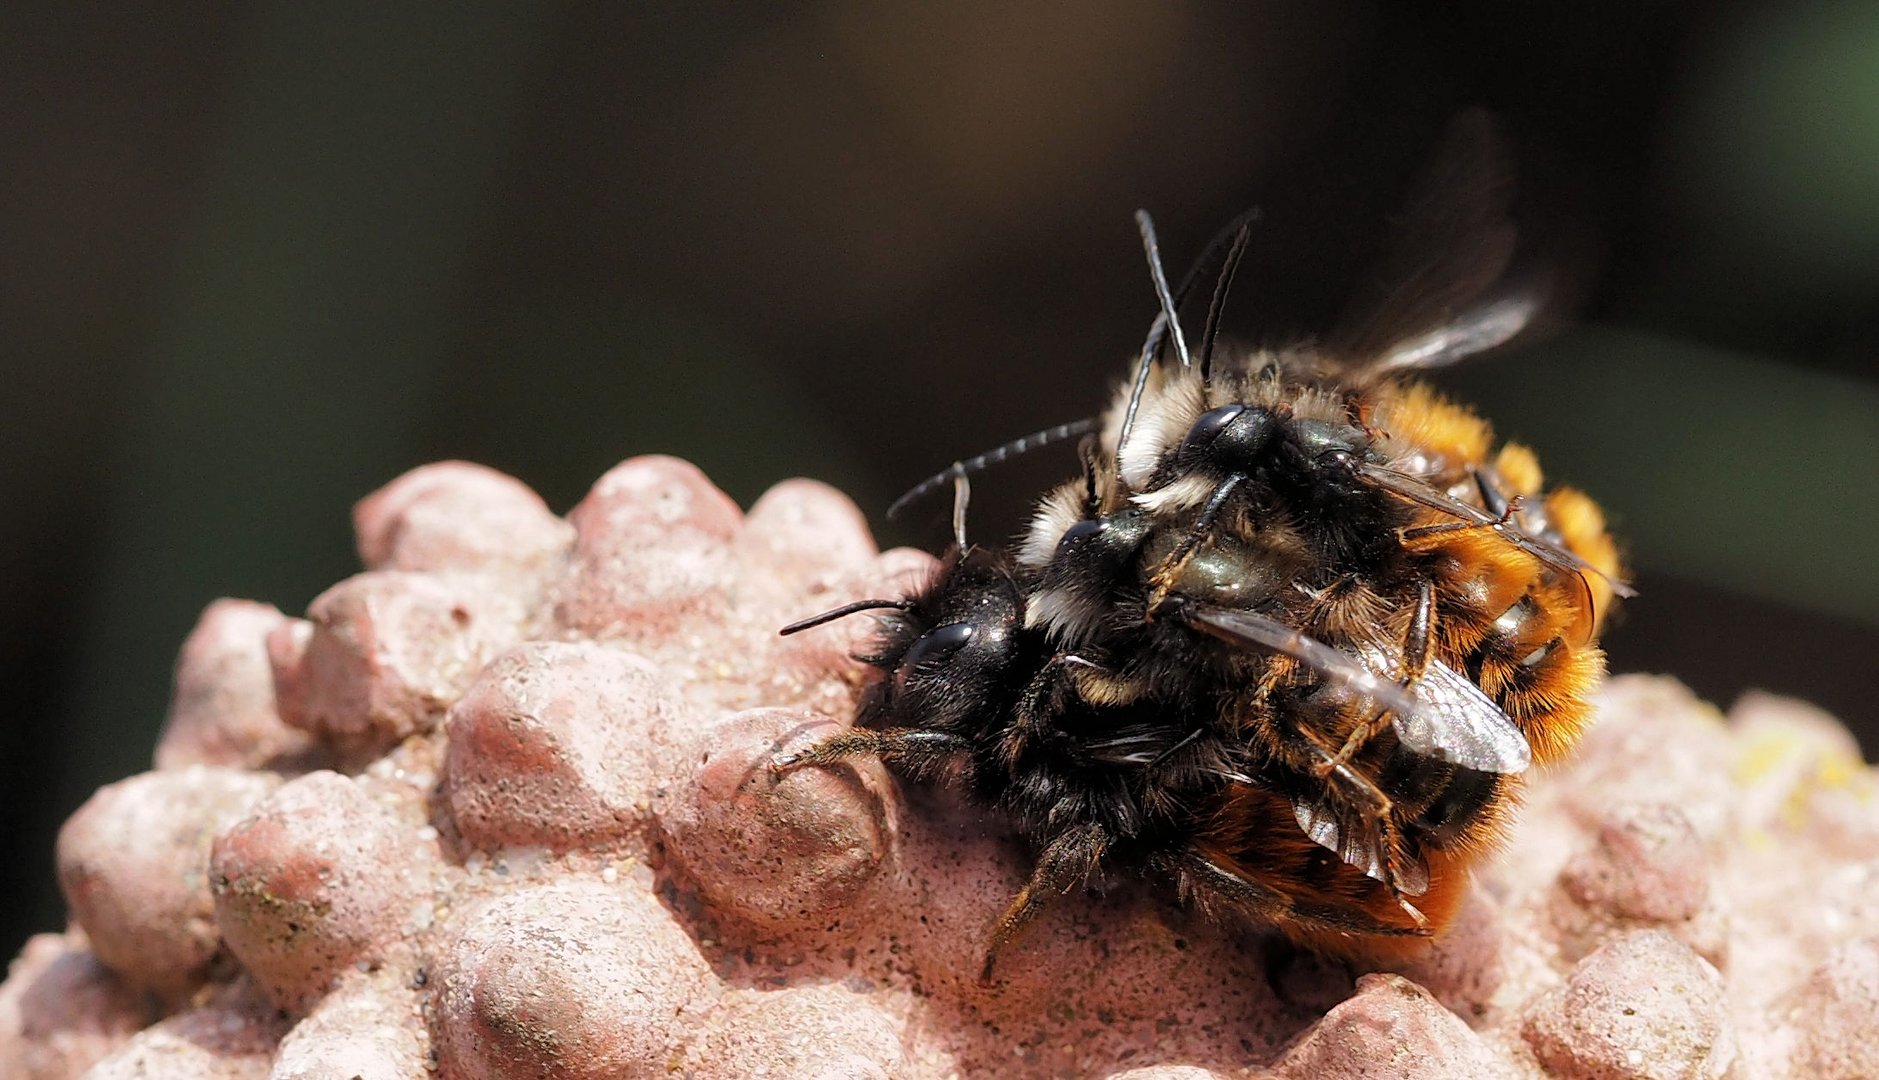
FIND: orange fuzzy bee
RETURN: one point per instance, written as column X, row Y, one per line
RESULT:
column 1292, row 637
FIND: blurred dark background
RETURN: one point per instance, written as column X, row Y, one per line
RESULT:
column 257, row 259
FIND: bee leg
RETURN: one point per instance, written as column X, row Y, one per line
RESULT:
column 1162, row 581
column 1509, row 510
column 910, row 751
column 1029, row 722
column 1382, row 810
column 1418, row 650
column 1213, row 887
column 1065, row 861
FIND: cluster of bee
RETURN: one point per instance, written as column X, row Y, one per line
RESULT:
column 1291, row 637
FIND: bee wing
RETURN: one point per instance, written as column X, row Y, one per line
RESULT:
column 1334, row 664
column 1449, row 247
column 1359, row 843
column 1455, row 720
column 1548, row 552
column 1440, row 715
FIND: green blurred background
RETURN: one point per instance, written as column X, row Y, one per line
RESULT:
column 258, row 259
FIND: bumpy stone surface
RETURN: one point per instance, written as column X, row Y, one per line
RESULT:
column 314, row 880
column 233, row 1037
column 366, row 1031
column 61, row 1010
column 1643, row 1007
column 133, row 866
column 556, row 745
column 577, row 979
column 500, row 807
column 223, row 711
column 457, row 516
column 777, row 853
column 1390, row 1028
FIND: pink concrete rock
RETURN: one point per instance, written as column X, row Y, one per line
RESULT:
column 133, row 864
column 557, row 745
column 804, row 535
column 364, row 1031
column 457, row 516
column 1806, row 777
column 1836, row 1011
column 557, row 850
column 315, row 880
column 829, row 652
column 1391, row 1029
column 776, row 853
column 579, row 979
column 819, row 1032
column 389, row 651
column 1643, row 1007
column 222, row 712
column 61, row 1010
column 232, row 1038
column 1670, row 752
column 1465, row 968
column 651, row 552
column 1646, row 868
column 1648, row 864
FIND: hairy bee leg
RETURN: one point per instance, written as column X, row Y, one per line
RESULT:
column 1027, row 718
column 911, row 751
column 1213, row 886
column 1163, row 578
column 1508, row 512
column 1418, row 650
column 1070, row 858
column 1383, row 810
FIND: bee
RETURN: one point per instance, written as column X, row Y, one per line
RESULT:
column 1291, row 637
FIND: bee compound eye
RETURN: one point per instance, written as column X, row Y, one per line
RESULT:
column 1208, row 428
column 1077, row 535
column 936, row 646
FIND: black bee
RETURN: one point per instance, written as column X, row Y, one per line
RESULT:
column 1286, row 643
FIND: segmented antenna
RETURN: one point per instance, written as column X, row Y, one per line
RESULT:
column 1152, row 249
column 1212, row 330
column 1156, row 330
column 996, row 456
column 962, row 496
column 842, row 613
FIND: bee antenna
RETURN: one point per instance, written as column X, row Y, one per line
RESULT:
column 1221, row 286
column 995, row 456
column 842, row 613
column 962, row 495
column 1152, row 248
column 1159, row 328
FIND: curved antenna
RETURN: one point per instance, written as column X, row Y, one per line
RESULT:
column 995, row 456
column 1212, row 331
column 1152, row 248
column 1150, row 347
column 962, row 496
column 842, row 613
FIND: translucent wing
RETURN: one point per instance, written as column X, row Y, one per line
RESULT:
column 1454, row 721
column 1441, row 714
column 1449, row 248
column 1358, row 843
column 1545, row 550
column 1338, row 666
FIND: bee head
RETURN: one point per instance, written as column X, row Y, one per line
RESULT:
column 951, row 653
column 1232, row 438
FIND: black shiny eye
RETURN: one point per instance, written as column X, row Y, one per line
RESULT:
column 1074, row 536
column 936, row 645
column 1208, row 428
